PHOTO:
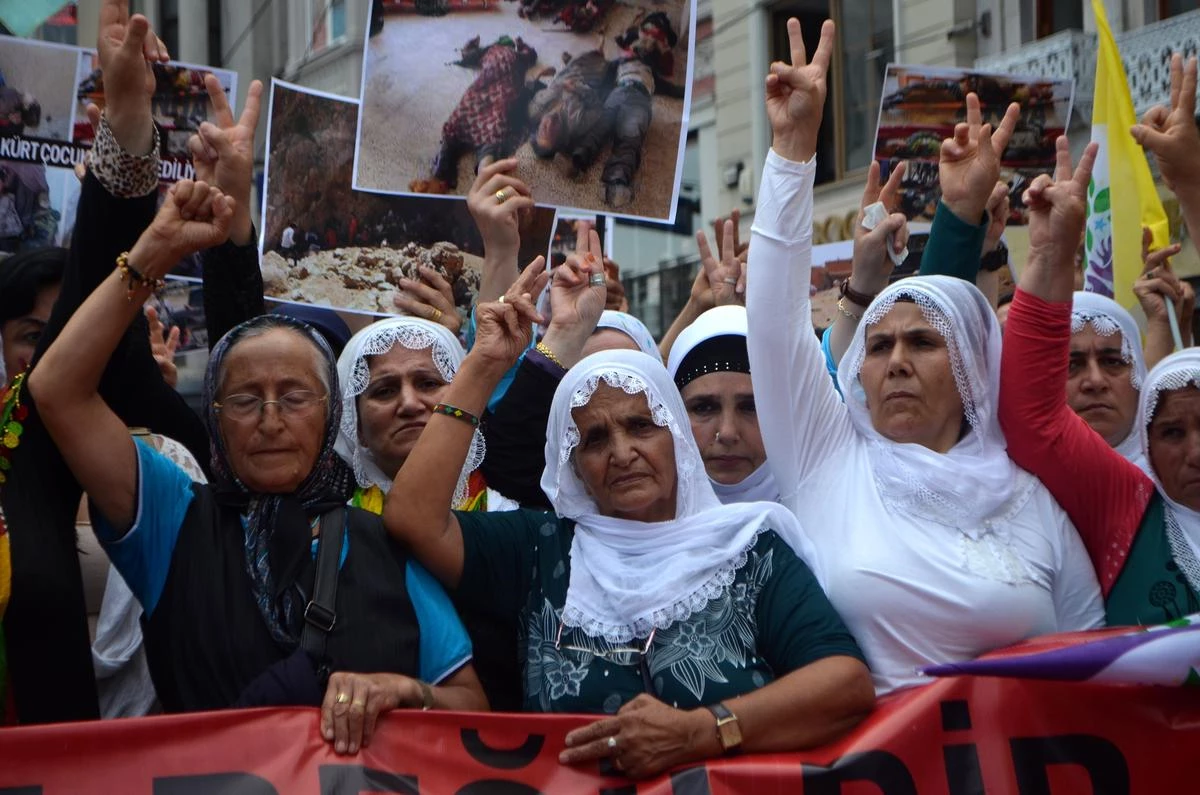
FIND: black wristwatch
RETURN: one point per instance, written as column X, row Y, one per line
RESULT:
column 729, row 732
column 854, row 296
column 995, row 259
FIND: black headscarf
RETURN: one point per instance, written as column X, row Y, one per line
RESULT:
column 277, row 526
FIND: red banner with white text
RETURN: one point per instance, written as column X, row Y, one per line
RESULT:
column 957, row 736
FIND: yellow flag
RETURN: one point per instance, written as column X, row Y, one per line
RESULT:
column 1121, row 197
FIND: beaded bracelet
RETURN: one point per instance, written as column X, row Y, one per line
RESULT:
column 134, row 279
column 544, row 350
column 457, row 413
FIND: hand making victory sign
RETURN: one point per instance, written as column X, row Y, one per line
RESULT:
column 796, row 94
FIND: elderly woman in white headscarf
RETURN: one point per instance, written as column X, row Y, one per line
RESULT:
column 1142, row 530
column 931, row 544
column 711, row 368
column 695, row 624
column 1106, row 371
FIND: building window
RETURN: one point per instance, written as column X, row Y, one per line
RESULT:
column 864, row 47
column 1055, row 16
column 215, row 53
column 328, row 23
column 168, row 24
column 1171, row 8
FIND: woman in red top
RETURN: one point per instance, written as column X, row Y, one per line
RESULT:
column 1143, row 532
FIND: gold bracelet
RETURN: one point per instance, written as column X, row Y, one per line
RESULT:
column 841, row 305
column 544, row 350
column 135, row 279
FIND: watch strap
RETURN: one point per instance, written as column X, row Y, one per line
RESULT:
column 862, row 299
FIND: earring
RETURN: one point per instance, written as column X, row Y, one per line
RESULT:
column 718, row 437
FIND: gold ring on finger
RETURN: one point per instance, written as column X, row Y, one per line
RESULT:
column 342, row 698
column 501, row 196
column 358, row 704
column 436, row 316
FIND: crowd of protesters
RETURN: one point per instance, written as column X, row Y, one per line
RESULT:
column 734, row 541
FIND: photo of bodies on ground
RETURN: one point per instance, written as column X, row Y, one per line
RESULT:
column 589, row 95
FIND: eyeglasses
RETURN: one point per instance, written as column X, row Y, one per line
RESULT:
column 241, row 408
column 618, row 656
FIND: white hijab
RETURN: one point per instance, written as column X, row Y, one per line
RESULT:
column 633, row 328
column 1177, row 371
column 1107, row 317
column 974, row 480
column 628, row 577
column 721, row 321
column 354, row 374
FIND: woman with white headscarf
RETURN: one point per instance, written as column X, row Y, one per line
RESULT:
column 621, row 331
column 931, row 544
column 1142, row 530
column 1106, row 371
column 711, row 368
column 696, row 623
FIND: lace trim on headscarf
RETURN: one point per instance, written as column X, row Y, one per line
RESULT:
column 1105, row 326
column 379, row 341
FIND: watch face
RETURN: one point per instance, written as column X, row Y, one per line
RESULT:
column 731, row 734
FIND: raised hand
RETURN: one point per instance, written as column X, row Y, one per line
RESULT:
column 127, row 47
column 796, row 94
column 499, row 219
column 1171, row 134
column 194, row 216
column 1057, row 211
column 722, row 278
column 1158, row 282
column 163, row 347
column 872, row 263
column 223, row 153
column 970, row 161
column 504, row 328
column 431, row 298
column 998, row 207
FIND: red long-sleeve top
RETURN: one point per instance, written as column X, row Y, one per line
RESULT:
column 1105, row 495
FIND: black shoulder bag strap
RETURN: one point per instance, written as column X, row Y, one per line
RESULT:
column 320, row 617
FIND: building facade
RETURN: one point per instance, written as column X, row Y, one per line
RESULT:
column 317, row 43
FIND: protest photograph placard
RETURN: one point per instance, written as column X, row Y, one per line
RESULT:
column 180, row 104
column 922, row 104
column 590, row 96
column 325, row 243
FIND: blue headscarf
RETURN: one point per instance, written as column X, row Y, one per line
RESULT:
column 276, row 527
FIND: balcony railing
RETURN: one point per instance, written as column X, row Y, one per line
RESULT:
column 1146, row 53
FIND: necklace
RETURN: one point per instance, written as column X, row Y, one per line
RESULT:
column 12, row 418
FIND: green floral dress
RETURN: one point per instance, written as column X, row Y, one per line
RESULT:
column 773, row 619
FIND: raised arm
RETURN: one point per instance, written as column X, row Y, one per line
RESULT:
column 223, row 155
column 800, row 413
column 721, row 280
column 516, row 425
column 417, row 510
column 1104, row 495
column 872, row 264
column 1171, row 134
column 968, row 168
column 94, row 440
column 499, row 222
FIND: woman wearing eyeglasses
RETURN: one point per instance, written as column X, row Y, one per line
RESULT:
column 225, row 572
column 694, row 625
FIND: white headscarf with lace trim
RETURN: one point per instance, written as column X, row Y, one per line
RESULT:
column 1180, row 370
column 1107, row 317
column 354, row 374
column 631, row 327
column 974, row 481
column 628, row 577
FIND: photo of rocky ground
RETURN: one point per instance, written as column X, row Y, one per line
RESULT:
column 351, row 248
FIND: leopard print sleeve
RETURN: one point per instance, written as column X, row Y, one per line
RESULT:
column 123, row 175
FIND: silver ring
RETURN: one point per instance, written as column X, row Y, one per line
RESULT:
column 729, row 280
column 612, row 742
column 501, row 299
column 596, row 280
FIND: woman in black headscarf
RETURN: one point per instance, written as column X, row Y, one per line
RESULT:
column 225, row 573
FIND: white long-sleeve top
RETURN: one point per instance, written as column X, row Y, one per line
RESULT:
column 912, row 591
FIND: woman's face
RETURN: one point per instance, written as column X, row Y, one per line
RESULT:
column 725, row 424
column 1175, row 445
column 909, row 382
column 1099, row 387
column 608, row 339
column 626, row 462
column 274, row 450
column 21, row 334
column 405, row 385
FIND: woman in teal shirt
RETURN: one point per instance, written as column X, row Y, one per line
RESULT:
column 695, row 623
